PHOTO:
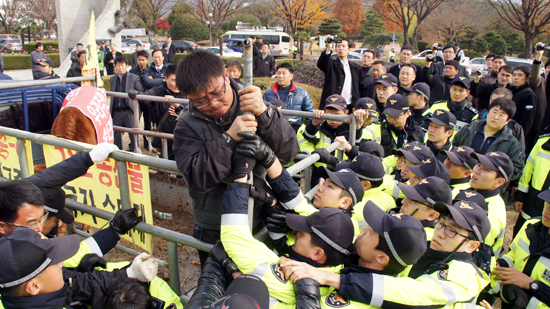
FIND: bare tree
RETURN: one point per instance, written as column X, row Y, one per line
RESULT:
column 454, row 17
column 10, row 13
column 528, row 16
column 43, row 11
column 151, row 11
column 300, row 14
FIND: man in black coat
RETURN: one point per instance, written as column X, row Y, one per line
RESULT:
column 171, row 54
column 405, row 57
column 440, row 85
column 154, row 74
column 264, row 64
column 483, row 91
column 135, row 55
column 76, row 68
column 110, row 57
column 449, row 53
column 342, row 76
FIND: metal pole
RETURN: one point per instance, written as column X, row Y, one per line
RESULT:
column 248, row 66
column 123, row 185
column 352, row 130
column 25, row 111
column 44, row 82
column 143, row 97
column 136, row 127
column 298, row 167
column 54, row 104
column 23, row 158
column 311, row 193
column 144, row 132
column 165, row 148
column 307, row 178
column 173, row 266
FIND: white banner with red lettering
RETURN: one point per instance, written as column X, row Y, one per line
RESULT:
column 92, row 102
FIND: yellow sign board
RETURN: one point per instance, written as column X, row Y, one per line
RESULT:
column 9, row 158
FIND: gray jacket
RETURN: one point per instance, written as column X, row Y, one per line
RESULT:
column 132, row 83
column 36, row 58
column 538, row 84
column 505, row 142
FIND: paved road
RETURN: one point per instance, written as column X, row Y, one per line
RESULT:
column 20, row 74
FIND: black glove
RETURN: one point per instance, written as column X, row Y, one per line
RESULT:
column 242, row 165
column 132, row 94
column 125, row 220
column 262, row 192
column 307, row 293
column 253, row 146
column 276, row 223
column 513, row 297
column 89, row 262
column 218, row 253
column 326, row 157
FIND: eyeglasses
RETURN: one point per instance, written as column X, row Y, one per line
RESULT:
column 418, row 202
column 203, row 102
column 449, row 231
column 396, row 117
column 31, row 226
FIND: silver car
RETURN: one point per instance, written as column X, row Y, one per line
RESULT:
column 479, row 63
column 11, row 45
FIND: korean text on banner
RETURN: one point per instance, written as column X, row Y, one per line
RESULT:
column 9, row 158
column 99, row 188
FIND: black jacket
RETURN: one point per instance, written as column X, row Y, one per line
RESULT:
column 397, row 68
column 526, row 103
column 138, row 72
column 483, row 93
column 75, row 71
column 156, row 77
column 438, row 68
column 439, row 86
column 134, row 59
column 421, row 114
column 110, row 66
column 368, row 78
column 132, row 83
column 334, row 78
column 395, row 139
column 206, row 163
column 264, row 67
column 171, row 55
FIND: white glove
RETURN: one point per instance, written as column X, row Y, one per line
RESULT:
column 144, row 268
column 102, row 151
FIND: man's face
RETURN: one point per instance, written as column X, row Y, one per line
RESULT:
column 484, row 178
column 113, row 47
column 79, row 48
column 365, row 245
column 303, row 245
column 495, row 96
column 139, row 48
column 377, row 70
column 169, row 40
column 265, row 49
column 441, row 241
column 259, row 39
column 171, row 83
column 40, row 48
column 46, row 68
column 82, row 58
column 437, row 133
column 406, row 76
column 450, row 71
column 497, row 63
column 50, row 279
column 158, row 58
column 504, row 78
column 367, row 59
column 519, row 78
column 456, row 171
column 234, row 71
column 121, row 68
column 405, row 171
column 459, row 93
column 399, row 121
column 497, row 118
column 342, row 49
column 449, row 54
column 405, row 56
column 415, row 99
column 284, row 77
column 142, row 62
column 416, row 209
column 328, row 194
column 489, row 64
column 205, row 103
column 49, row 224
column 28, row 215
column 546, row 214
column 384, row 92
column 335, row 124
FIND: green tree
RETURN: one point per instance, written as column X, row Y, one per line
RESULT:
column 499, row 46
column 375, row 40
column 330, row 26
column 510, row 39
column 187, row 27
column 480, row 45
column 491, row 37
column 372, row 24
column 245, row 18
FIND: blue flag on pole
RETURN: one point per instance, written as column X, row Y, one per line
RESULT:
column 393, row 38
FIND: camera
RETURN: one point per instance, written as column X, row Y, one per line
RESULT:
column 478, row 72
column 542, row 47
column 332, row 39
column 430, row 58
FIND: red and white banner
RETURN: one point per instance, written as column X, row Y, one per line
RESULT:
column 92, row 102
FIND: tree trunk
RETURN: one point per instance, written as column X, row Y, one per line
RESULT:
column 220, row 42
column 301, row 49
column 415, row 39
column 406, row 35
column 529, row 38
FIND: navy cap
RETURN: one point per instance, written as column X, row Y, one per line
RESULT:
column 404, row 234
column 420, row 88
column 429, row 190
column 333, row 225
column 55, row 204
column 496, row 161
column 387, row 79
column 373, row 148
column 431, row 167
column 367, row 104
column 465, row 81
column 396, row 105
column 461, row 156
column 279, row 104
column 469, row 216
column 443, row 118
column 336, row 101
column 25, row 253
column 246, row 292
column 347, row 180
column 545, row 196
column 416, row 153
column 47, row 62
column 471, row 196
column 366, row 166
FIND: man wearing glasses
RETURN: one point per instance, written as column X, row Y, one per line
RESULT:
column 205, row 137
column 449, row 53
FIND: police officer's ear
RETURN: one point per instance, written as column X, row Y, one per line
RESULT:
column 499, row 182
column 345, row 202
column 32, row 287
column 395, row 89
column 471, row 245
column 366, row 184
column 382, row 258
column 319, row 254
column 467, row 173
column 4, row 228
column 433, row 215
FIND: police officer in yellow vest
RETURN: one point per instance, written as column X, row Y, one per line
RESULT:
column 419, row 96
column 464, row 113
column 430, row 167
column 370, row 119
column 523, row 273
column 460, row 165
column 440, row 129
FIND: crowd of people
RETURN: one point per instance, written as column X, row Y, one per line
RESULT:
column 412, row 215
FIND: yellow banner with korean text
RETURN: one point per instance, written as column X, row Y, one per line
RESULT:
column 10, row 167
column 100, row 188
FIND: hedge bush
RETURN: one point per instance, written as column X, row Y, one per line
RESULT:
column 306, row 72
column 49, row 47
column 23, row 62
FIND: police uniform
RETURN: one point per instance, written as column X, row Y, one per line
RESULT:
column 464, row 115
column 421, row 114
column 458, row 185
column 372, row 132
column 460, row 156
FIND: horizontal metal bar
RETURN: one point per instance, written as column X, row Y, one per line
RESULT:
column 124, row 249
column 117, row 155
column 144, row 132
column 144, row 227
column 300, row 166
column 342, row 118
column 33, row 83
column 144, row 97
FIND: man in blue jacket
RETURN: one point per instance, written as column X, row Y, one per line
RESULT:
column 295, row 97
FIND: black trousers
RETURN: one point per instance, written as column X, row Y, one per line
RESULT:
column 123, row 118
